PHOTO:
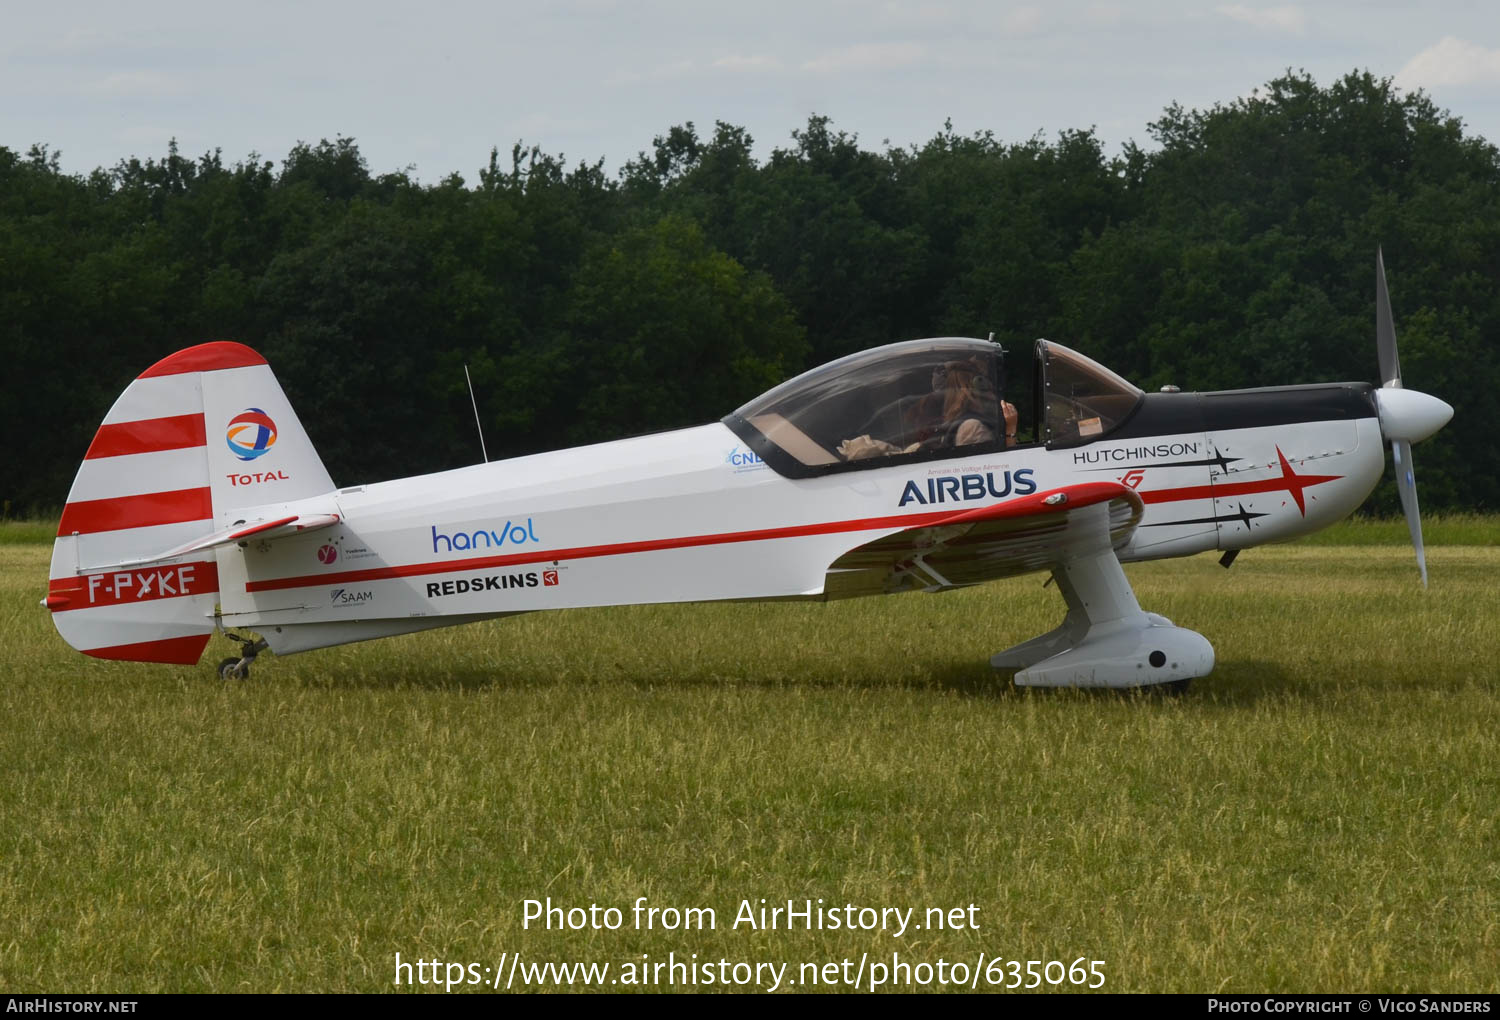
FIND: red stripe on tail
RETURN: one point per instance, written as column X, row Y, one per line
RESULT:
column 177, row 651
column 152, row 508
column 150, row 435
column 205, row 358
column 132, row 586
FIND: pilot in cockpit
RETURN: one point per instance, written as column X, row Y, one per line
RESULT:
column 958, row 411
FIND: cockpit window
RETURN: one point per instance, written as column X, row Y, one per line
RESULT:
column 913, row 400
column 1082, row 399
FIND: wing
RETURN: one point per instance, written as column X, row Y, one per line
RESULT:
column 972, row 546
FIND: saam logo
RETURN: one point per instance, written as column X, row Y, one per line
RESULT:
column 250, row 434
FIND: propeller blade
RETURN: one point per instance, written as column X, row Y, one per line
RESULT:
column 1385, row 328
column 1406, row 484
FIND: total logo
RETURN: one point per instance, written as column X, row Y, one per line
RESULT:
column 957, row 488
column 257, row 477
column 348, row 597
column 250, row 434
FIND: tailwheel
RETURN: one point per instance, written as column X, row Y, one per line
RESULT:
column 238, row 667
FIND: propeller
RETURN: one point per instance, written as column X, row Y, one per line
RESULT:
column 1406, row 416
column 1385, row 328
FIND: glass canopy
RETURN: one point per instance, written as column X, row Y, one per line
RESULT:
column 923, row 400
column 1082, row 400
column 910, row 400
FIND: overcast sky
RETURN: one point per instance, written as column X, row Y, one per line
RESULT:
column 436, row 84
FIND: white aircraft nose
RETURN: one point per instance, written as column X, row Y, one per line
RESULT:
column 1410, row 414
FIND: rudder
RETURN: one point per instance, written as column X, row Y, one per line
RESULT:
column 195, row 438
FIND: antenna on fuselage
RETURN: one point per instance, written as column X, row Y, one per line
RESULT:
column 475, row 404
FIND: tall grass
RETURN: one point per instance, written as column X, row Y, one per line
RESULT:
column 1319, row 814
column 1437, row 529
column 27, row 532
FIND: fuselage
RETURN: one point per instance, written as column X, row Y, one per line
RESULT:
column 697, row 514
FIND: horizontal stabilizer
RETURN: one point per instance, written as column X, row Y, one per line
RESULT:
column 238, row 532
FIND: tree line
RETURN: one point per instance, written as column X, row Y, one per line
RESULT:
column 1237, row 249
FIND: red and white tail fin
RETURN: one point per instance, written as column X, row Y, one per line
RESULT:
column 195, row 438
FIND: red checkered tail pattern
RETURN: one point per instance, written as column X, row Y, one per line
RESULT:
column 200, row 443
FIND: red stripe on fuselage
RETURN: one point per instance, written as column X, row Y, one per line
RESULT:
column 150, row 435
column 90, row 515
column 1289, row 481
column 1077, row 496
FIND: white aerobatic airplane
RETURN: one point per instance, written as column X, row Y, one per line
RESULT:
column 201, row 506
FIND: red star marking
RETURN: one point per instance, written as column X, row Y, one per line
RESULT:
column 1295, row 483
column 1289, row 481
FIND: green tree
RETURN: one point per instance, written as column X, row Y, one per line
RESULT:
column 665, row 331
column 1247, row 259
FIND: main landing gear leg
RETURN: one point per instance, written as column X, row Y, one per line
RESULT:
column 1106, row 640
column 238, row 667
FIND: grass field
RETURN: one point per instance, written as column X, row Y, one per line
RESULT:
column 1319, row 814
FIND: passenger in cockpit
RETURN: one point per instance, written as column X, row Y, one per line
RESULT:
column 959, row 410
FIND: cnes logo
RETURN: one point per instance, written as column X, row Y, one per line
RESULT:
column 742, row 460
